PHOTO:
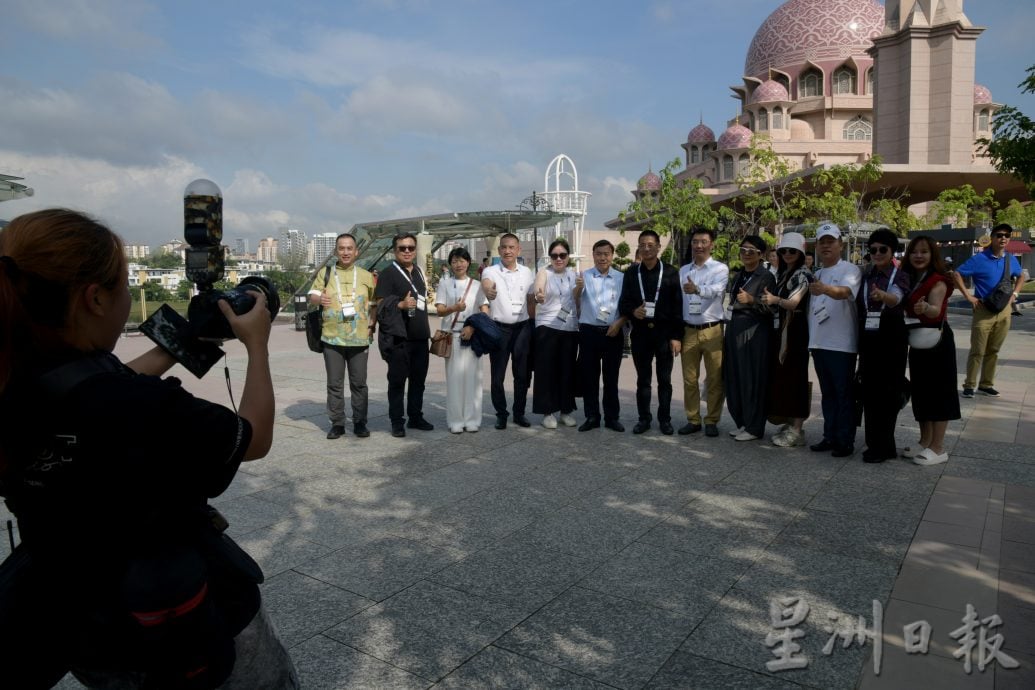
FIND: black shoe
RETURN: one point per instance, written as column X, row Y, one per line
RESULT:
column 521, row 421
column 337, row 431
column 398, row 430
column 689, row 428
column 989, row 391
column 641, row 426
column 666, row 428
column 968, row 393
column 711, row 430
column 843, row 452
column 591, row 423
column 360, row 430
column 615, row 425
column 872, row 456
column 822, row 447
column 501, row 421
column 420, row 423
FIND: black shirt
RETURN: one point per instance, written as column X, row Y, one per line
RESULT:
column 668, row 310
column 393, row 286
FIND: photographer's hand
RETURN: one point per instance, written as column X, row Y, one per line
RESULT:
column 253, row 330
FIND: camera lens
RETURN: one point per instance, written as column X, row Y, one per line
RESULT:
column 208, row 322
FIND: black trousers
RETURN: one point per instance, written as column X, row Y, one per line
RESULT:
column 407, row 360
column 647, row 348
column 882, row 364
column 516, row 347
column 555, row 357
column 598, row 355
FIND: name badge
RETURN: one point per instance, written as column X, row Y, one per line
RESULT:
column 516, row 307
column 911, row 321
column 872, row 320
column 694, row 306
column 563, row 315
column 821, row 314
column 348, row 310
column 604, row 314
column 776, row 322
column 649, row 308
column 422, row 303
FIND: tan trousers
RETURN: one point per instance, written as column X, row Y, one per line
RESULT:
column 987, row 334
column 707, row 345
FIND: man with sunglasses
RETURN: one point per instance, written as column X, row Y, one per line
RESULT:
column 402, row 286
column 988, row 328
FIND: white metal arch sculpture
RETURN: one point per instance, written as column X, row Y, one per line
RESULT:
column 561, row 185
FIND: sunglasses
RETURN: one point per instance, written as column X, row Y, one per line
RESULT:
column 749, row 251
column 879, row 250
column 786, row 250
column 558, row 256
column 1001, row 235
column 406, row 248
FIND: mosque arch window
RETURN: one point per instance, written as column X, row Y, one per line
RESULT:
column 784, row 81
column 743, row 164
column 843, row 81
column 763, row 119
column 858, row 129
column 694, row 154
column 727, row 167
column 810, row 84
column 983, row 121
column 869, row 81
column 751, row 121
column 777, row 117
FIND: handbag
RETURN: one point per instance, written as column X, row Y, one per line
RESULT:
column 442, row 341
column 997, row 300
column 924, row 337
column 314, row 322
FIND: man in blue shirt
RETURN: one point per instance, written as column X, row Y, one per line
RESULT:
column 988, row 329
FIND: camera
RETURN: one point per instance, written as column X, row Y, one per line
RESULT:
column 191, row 341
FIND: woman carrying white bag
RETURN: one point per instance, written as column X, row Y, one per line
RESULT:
column 459, row 297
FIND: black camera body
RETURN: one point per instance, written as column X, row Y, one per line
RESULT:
column 192, row 341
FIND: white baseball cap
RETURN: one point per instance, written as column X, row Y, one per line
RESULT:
column 828, row 229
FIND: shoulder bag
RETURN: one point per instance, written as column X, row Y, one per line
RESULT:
column 314, row 322
column 442, row 341
column 997, row 300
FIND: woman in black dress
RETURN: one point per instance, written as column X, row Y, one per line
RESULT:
column 932, row 370
column 788, row 396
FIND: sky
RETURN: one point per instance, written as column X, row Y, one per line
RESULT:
column 321, row 114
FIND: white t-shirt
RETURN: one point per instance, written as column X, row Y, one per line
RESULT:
column 450, row 290
column 558, row 309
column 839, row 329
column 512, row 290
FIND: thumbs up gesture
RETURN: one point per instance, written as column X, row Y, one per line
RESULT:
column 689, row 287
column 769, row 298
column 580, row 282
column 408, row 302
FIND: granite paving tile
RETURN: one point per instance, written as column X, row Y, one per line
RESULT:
column 946, row 587
column 608, row 639
column 497, row 668
column 956, row 509
column 684, row 670
column 964, row 535
column 248, row 513
column 991, row 470
column 1016, row 589
column 923, row 552
column 666, row 579
column 900, row 670
column 590, row 533
column 1019, row 530
column 301, row 607
column 840, row 496
column 380, row 568
column 1021, row 678
column 279, row 548
column 872, row 538
column 899, row 613
column 324, row 664
column 972, row 487
column 991, row 450
column 1017, row 556
column 1018, row 629
column 565, row 482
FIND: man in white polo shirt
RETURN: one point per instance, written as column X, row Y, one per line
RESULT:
column 508, row 287
column 833, row 340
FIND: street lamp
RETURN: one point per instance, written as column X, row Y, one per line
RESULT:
column 535, row 202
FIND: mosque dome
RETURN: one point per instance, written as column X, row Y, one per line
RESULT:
column 813, row 30
column 770, row 91
column 982, row 95
column 735, row 137
column 701, row 134
column 649, row 182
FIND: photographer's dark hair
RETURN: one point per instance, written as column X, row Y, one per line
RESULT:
column 45, row 257
column 461, row 252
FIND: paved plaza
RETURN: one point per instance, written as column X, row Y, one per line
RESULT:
column 529, row 558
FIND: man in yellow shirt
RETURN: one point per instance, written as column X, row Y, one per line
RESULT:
column 346, row 298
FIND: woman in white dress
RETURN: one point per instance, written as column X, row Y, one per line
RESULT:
column 459, row 297
column 556, row 342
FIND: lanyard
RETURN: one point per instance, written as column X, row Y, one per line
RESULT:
column 565, row 294
column 639, row 277
column 597, row 300
column 406, row 276
column 506, row 275
column 734, row 288
column 355, row 274
column 891, row 281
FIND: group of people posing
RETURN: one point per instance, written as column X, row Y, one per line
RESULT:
column 753, row 331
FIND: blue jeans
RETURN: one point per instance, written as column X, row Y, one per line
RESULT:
column 836, row 372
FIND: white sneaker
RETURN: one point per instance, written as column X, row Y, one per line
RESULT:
column 912, row 451
column 928, row 457
column 789, row 439
column 745, row 436
column 549, row 421
column 567, row 420
column 737, row 432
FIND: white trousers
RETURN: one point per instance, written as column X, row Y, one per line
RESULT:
column 463, row 388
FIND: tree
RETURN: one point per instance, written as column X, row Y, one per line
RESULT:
column 962, row 206
column 678, row 207
column 1012, row 148
column 1017, row 215
column 156, row 293
column 622, row 259
column 768, row 185
column 164, row 260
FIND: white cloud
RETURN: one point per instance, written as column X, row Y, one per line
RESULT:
column 108, row 24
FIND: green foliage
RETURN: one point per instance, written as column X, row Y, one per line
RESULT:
column 621, row 259
column 837, row 193
column 155, row 291
column 962, row 206
column 288, row 283
column 1018, row 215
column 768, row 186
column 163, row 260
column 1012, row 148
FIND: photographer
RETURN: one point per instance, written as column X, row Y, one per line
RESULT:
column 108, row 469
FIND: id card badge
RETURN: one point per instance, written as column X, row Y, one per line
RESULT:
column 729, row 312
column 516, row 307
column 911, row 321
column 776, row 322
column 563, row 315
column 821, row 314
column 694, row 306
column 872, row 320
column 348, row 310
column 649, row 308
column 422, row 303
column 604, row 314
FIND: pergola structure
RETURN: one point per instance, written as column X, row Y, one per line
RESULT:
column 10, row 190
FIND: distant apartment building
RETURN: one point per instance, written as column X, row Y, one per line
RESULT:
column 321, row 247
column 241, row 246
column 137, row 251
column 267, row 251
column 292, row 248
